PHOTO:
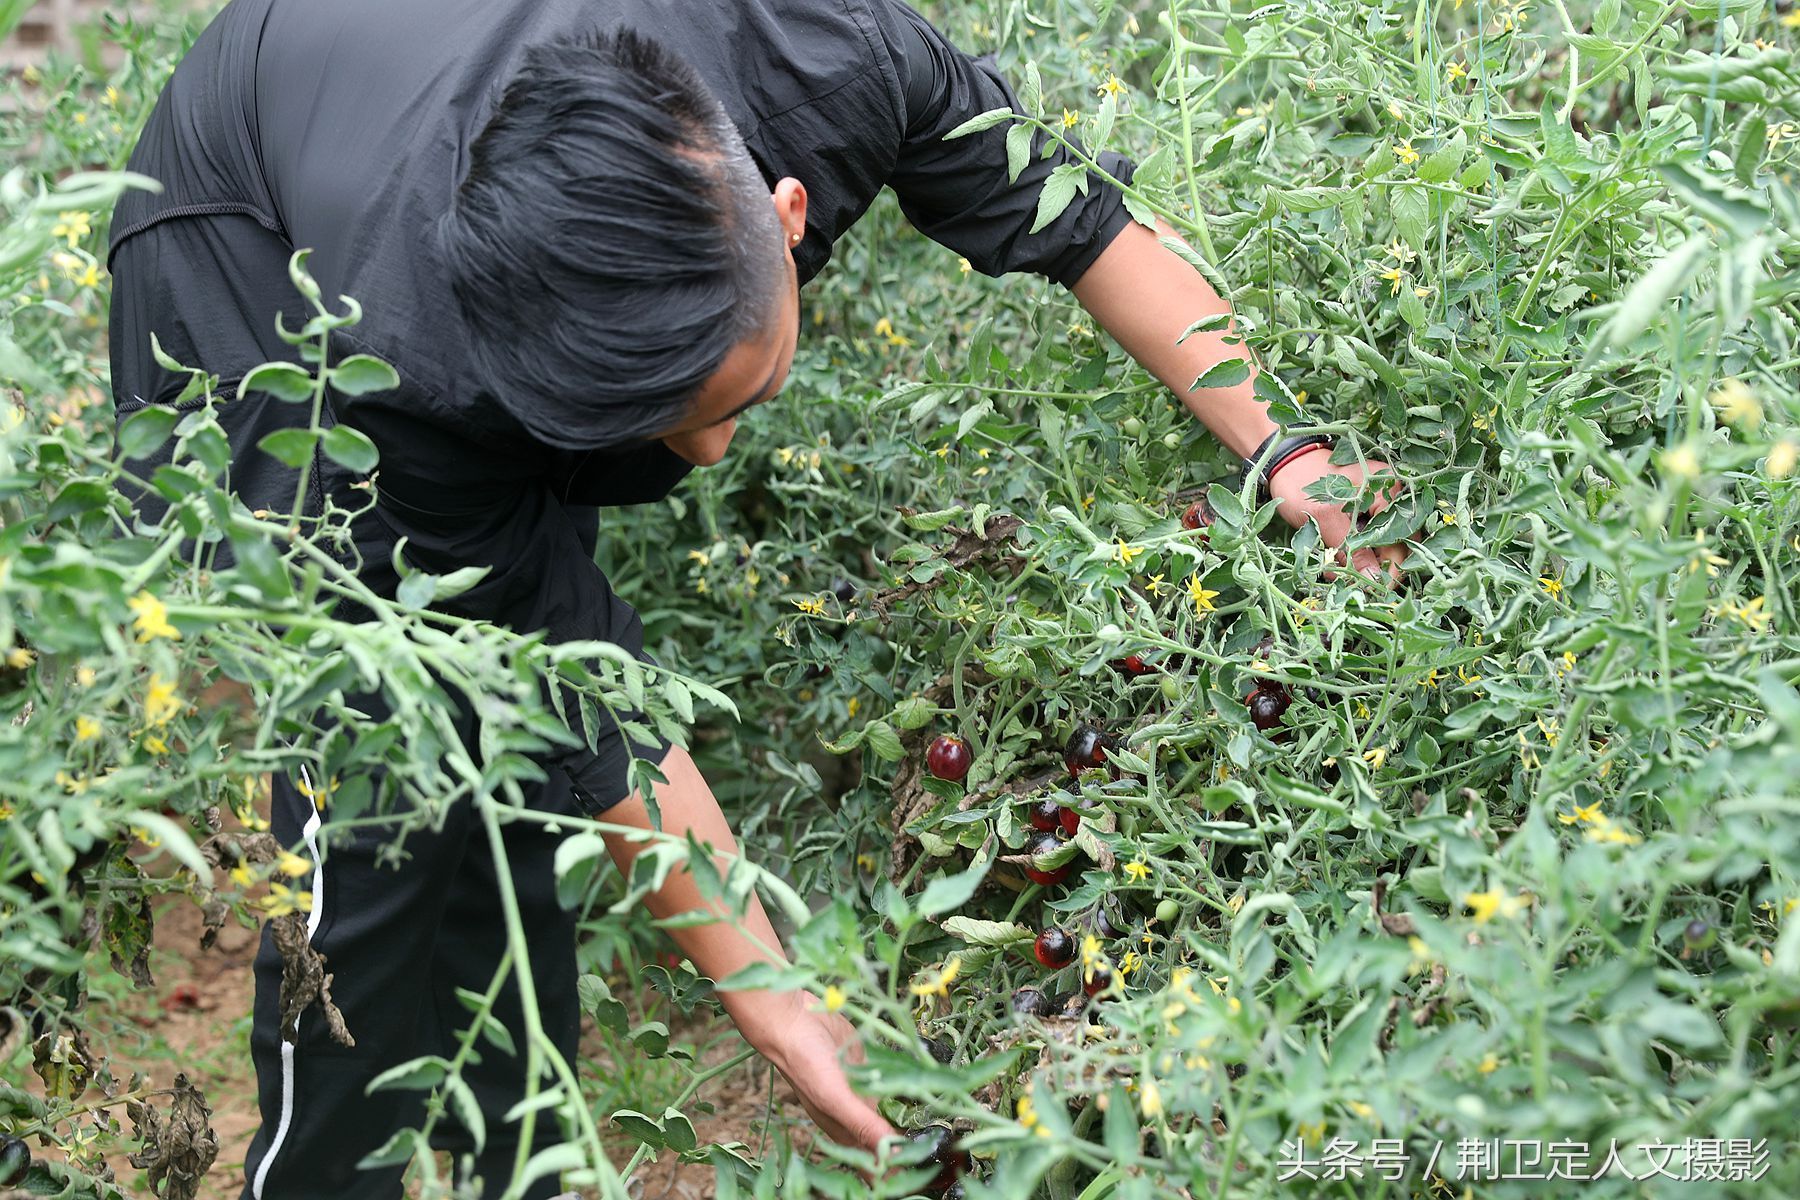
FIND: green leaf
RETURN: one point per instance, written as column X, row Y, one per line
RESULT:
column 291, row 446
column 1647, row 298
column 1444, row 162
column 467, row 1109
column 361, row 374
column 979, row 122
column 914, row 712
column 145, row 431
column 987, row 933
column 884, row 741
column 1018, row 150
column 1227, row 372
column 1727, row 207
column 419, row 1075
column 351, row 449
column 679, row 1131
column 1411, row 207
column 284, row 381
column 942, row 895
column 1059, row 190
column 395, row 1152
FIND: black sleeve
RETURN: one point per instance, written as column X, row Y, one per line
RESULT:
column 460, row 505
column 957, row 192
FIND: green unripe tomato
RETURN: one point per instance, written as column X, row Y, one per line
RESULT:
column 1171, row 440
column 1131, row 427
column 1168, row 912
column 1171, row 690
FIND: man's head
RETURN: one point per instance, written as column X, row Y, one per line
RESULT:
column 623, row 268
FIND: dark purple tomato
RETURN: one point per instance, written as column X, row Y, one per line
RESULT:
column 1087, row 747
column 940, row 1050
column 1266, row 705
column 1055, row 948
column 948, row 758
column 1030, row 1002
column 15, row 1160
column 1096, row 979
column 939, row 1143
column 1072, row 1005
column 1107, row 921
column 1045, row 815
column 844, row 590
column 1040, row 845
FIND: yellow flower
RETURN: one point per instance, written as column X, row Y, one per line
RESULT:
column 1150, row 1100
column 964, row 265
column 241, row 876
column 1737, row 404
column 1114, row 86
column 1467, row 676
column 1092, row 951
column 1487, row 905
column 701, row 556
column 1392, row 275
column 86, row 729
column 318, row 796
column 84, row 677
column 1551, row 585
column 152, row 619
column 1583, row 814
column 853, row 705
column 143, row 835
column 865, row 862
column 701, row 587
column 1156, row 585
column 283, row 900
column 1405, row 153
column 1127, row 553
column 834, row 998
column 1792, row 19
column 160, row 703
column 1300, row 398
column 1131, row 962
column 1070, row 119
column 1376, row 757
column 1029, row 1119
column 1200, row 593
column 1455, row 71
column 884, row 328
column 1430, row 680
column 1682, row 462
column 155, row 745
column 1489, row 1063
column 1137, row 871
column 1400, row 252
column 291, row 864
column 938, row 985
column 111, row 96
column 1607, row 832
column 71, row 225
column 1566, row 663
column 1783, row 457
column 813, row 607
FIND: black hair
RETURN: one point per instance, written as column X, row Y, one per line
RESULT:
column 612, row 241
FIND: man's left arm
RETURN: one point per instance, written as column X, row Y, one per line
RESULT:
column 1145, row 296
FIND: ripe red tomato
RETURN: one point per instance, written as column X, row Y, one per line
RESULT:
column 1197, row 516
column 1044, row 815
column 1133, row 665
column 1055, row 948
column 948, row 757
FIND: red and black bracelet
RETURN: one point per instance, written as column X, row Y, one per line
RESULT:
column 1285, row 451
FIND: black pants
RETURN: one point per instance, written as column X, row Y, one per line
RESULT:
column 399, row 942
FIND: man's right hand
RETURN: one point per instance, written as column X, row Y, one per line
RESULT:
column 807, row 1054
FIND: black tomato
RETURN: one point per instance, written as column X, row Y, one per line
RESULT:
column 1055, row 948
column 1087, row 747
column 948, row 758
column 939, row 1142
column 1045, row 815
column 941, row 1050
column 1096, row 979
column 1266, row 705
column 15, row 1160
column 1030, row 1002
column 844, row 590
column 1107, row 921
column 1040, row 845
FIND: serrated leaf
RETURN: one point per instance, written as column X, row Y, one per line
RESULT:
column 884, row 741
column 145, row 431
column 1059, row 190
column 1018, row 150
column 942, row 895
column 1227, row 372
column 419, row 1075
column 462, row 1102
column 914, row 712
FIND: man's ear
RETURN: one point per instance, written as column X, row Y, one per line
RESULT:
column 789, row 197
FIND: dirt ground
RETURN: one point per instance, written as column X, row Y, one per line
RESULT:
column 197, row 1020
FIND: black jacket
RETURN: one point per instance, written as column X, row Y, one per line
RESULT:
column 344, row 126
